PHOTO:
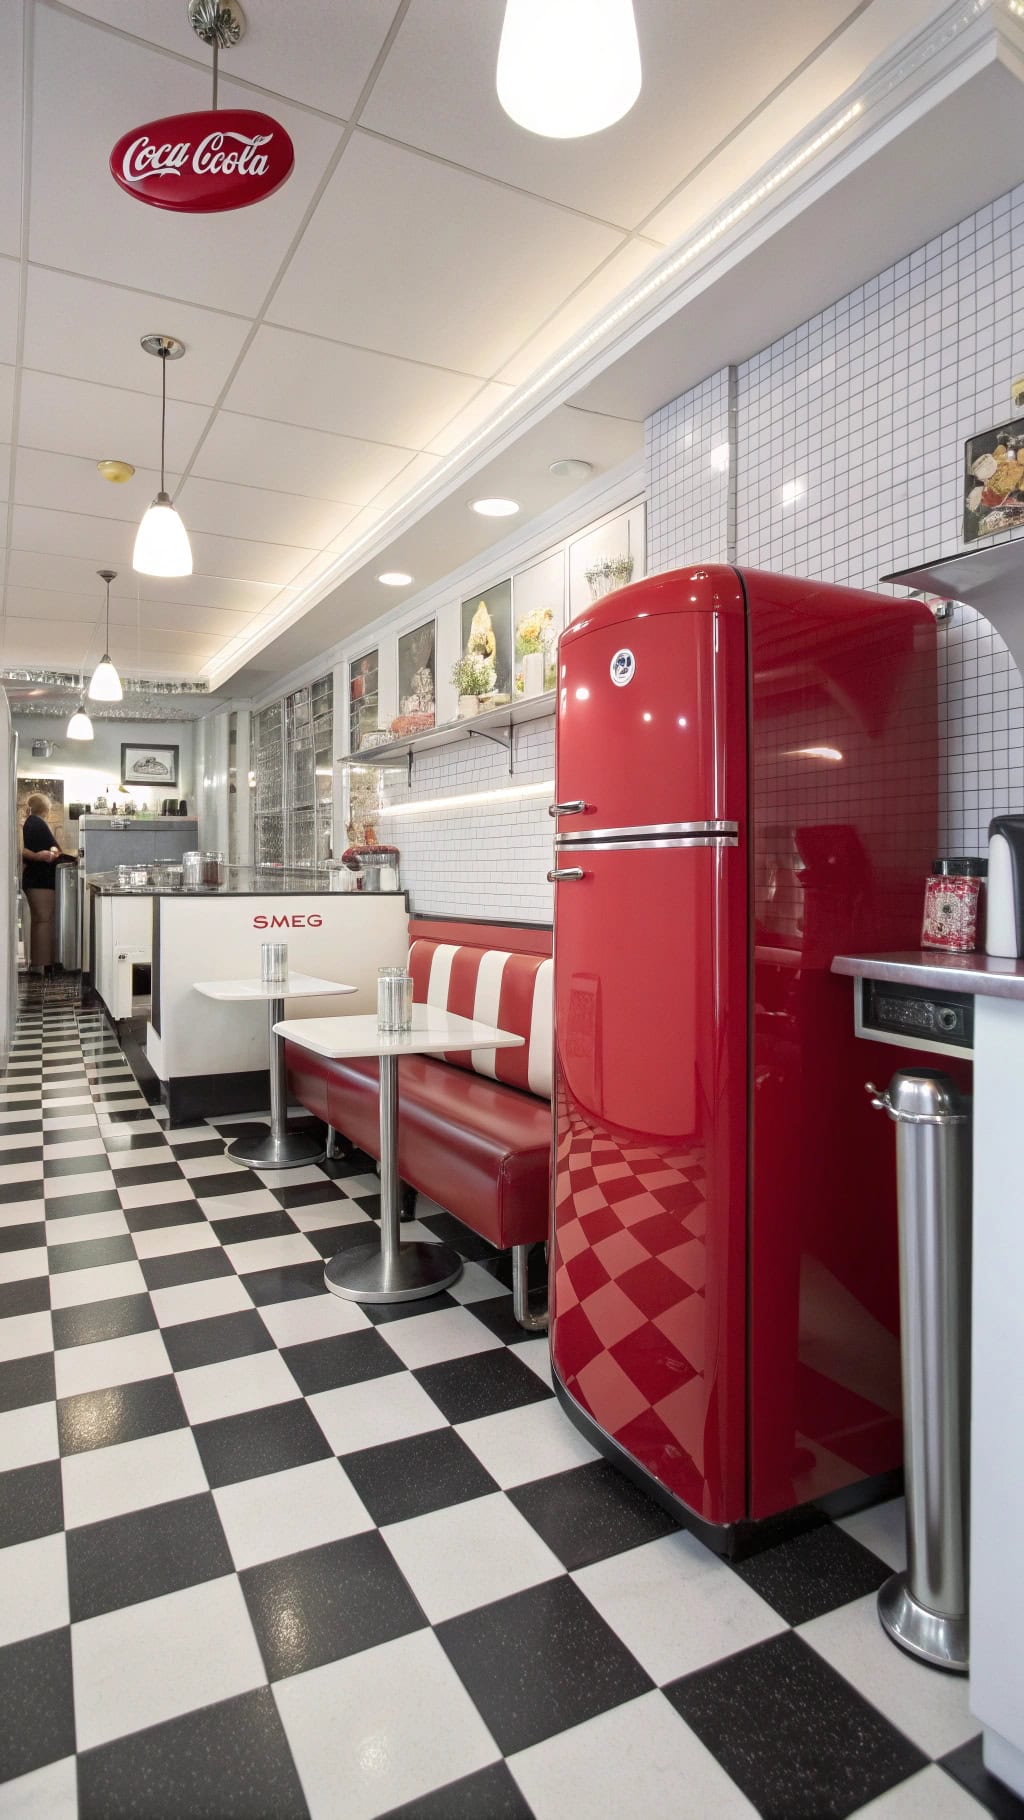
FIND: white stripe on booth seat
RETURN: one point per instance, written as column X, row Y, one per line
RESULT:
column 440, row 974
column 541, row 1031
column 486, row 1004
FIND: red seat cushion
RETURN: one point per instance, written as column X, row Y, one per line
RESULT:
column 479, row 1148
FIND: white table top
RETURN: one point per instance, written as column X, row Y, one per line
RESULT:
column 297, row 985
column 432, row 1033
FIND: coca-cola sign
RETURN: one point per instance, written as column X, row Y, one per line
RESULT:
column 201, row 163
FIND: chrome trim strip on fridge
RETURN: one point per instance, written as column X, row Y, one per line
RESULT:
column 710, row 826
column 638, row 846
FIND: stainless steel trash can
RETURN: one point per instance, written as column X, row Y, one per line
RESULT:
column 68, row 933
column 925, row 1609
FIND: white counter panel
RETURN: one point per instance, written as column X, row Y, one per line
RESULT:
column 124, row 936
column 338, row 936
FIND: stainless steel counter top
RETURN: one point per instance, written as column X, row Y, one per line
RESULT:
column 987, row 975
column 240, row 881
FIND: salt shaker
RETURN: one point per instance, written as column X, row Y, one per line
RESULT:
column 274, row 963
column 394, row 999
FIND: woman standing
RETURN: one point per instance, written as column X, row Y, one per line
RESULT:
column 40, row 852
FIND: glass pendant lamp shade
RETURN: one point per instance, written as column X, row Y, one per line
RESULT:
column 161, row 542
column 104, row 683
column 80, row 726
column 567, row 68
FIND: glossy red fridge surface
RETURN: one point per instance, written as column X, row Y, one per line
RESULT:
column 724, row 1285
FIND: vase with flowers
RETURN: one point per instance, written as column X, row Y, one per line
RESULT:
column 473, row 676
column 535, row 639
column 607, row 574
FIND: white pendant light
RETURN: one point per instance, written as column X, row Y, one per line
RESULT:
column 161, row 543
column 104, row 683
column 567, row 68
column 80, row 726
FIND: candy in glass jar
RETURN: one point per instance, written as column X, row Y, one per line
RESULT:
column 952, row 897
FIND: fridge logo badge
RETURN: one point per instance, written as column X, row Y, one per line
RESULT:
column 288, row 922
column 622, row 668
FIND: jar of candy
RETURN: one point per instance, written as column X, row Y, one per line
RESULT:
column 952, row 897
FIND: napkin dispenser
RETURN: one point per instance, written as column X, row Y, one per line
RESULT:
column 1005, row 915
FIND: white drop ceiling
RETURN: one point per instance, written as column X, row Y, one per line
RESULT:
column 423, row 261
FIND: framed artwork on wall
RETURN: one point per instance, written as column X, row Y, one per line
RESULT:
column 487, row 632
column 994, row 481
column 417, row 689
column 148, row 764
column 362, row 701
column 538, row 603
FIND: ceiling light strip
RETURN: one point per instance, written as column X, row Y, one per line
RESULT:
column 720, row 226
column 437, row 804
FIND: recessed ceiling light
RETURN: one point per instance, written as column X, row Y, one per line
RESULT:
column 394, row 578
column 116, row 470
column 495, row 508
column 571, row 468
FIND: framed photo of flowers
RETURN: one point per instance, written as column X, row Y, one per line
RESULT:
column 416, row 681
column 538, row 602
column 362, row 700
column 487, row 633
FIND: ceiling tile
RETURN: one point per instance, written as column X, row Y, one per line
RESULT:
column 43, row 604
column 209, row 621
column 109, row 322
column 73, row 417
column 6, row 401
column 253, row 512
column 412, row 257
column 10, row 128
column 324, row 64
column 598, row 294
column 418, row 470
column 58, row 642
column 5, row 475
column 208, row 590
column 101, row 540
column 278, row 456
column 10, row 291
column 239, row 560
column 90, row 86
column 325, row 386
column 489, row 399
column 72, row 483
column 696, row 91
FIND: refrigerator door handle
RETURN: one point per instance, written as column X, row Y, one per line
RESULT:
column 562, row 873
column 576, row 808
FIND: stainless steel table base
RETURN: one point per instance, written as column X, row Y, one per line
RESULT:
column 277, row 1148
column 391, row 1272
column 942, row 1641
column 364, row 1275
column 262, row 1150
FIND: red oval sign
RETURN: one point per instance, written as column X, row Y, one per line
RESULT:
column 201, row 163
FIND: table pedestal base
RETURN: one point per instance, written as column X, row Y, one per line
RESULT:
column 262, row 1150
column 364, row 1274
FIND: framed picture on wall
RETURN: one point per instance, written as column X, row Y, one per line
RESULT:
column 416, row 681
column 994, row 481
column 538, row 604
column 362, row 700
column 149, row 764
column 487, row 632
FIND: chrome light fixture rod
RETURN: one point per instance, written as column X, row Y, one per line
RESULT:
column 220, row 24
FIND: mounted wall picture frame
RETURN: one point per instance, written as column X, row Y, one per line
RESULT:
column 363, row 679
column 417, row 681
column 487, row 631
column 149, row 764
column 994, row 481
column 538, row 609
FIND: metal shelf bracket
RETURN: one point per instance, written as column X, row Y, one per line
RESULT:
column 498, row 736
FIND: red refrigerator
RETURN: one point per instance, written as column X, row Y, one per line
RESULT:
column 746, row 786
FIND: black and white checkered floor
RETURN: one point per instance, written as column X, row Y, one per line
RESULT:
column 265, row 1553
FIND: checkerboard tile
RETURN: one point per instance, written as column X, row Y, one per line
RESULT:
column 263, row 1551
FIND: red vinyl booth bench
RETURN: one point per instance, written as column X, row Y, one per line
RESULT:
column 474, row 1129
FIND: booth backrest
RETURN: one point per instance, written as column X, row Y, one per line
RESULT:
column 508, row 991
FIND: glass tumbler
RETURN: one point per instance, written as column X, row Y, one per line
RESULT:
column 394, row 999
column 274, row 963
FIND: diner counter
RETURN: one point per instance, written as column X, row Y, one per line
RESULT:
column 239, row 881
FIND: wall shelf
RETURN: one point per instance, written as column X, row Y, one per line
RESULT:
column 496, row 724
column 989, row 578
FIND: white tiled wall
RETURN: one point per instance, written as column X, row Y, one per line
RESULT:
column 849, row 435
column 486, row 860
